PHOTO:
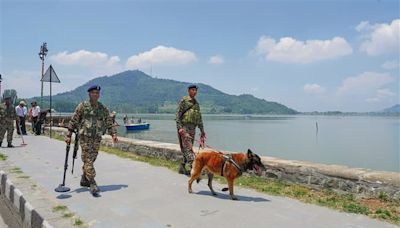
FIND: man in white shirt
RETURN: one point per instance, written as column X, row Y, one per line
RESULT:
column 35, row 117
column 21, row 111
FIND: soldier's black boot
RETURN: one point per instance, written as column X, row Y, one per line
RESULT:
column 182, row 169
column 1, row 143
column 10, row 145
column 94, row 190
column 84, row 181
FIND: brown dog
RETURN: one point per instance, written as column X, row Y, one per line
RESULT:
column 230, row 166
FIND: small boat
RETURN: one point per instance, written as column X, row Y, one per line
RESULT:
column 137, row 126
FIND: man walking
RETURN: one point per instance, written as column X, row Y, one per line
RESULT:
column 92, row 119
column 188, row 117
column 7, row 118
column 22, row 112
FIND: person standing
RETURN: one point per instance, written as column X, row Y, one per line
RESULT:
column 7, row 118
column 188, row 117
column 22, row 112
column 126, row 120
column 35, row 118
column 91, row 118
column 113, row 118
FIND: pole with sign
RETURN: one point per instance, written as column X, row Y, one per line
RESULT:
column 50, row 76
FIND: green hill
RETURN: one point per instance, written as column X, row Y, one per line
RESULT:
column 393, row 109
column 135, row 91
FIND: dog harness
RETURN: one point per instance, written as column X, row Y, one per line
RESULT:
column 228, row 158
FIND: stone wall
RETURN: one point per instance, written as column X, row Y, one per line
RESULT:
column 341, row 178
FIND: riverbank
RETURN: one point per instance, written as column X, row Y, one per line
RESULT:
column 354, row 190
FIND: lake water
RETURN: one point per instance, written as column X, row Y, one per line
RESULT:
column 356, row 141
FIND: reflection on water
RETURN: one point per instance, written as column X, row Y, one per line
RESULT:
column 358, row 141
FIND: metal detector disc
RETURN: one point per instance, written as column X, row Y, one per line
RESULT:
column 62, row 188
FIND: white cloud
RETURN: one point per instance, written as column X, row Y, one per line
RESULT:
column 216, row 59
column 96, row 62
column 364, row 83
column 381, row 94
column 380, row 38
column 25, row 82
column 364, row 25
column 313, row 89
column 290, row 50
column 390, row 65
column 84, row 58
column 161, row 55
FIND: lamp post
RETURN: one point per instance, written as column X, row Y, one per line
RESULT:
column 42, row 55
column 0, row 85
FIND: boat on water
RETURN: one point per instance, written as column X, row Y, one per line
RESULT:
column 137, row 126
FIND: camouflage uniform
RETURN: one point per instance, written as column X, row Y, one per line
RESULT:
column 188, row 120
column 92, row 120
column 7, row 118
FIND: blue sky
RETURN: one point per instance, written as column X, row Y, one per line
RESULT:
column 308, row 55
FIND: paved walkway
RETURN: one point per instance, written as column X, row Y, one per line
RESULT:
column 135, row 194
column 2, row 224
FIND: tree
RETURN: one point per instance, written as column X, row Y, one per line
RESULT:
column 11, row 93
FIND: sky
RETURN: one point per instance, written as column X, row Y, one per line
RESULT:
column 308, row 55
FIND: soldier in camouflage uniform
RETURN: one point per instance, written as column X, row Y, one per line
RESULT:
column 188, row 117
column 92, row 119
column 7, row 117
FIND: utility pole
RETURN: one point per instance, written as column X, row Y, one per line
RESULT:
column 42, row 55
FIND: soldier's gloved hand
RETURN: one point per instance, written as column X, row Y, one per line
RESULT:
column 114, row 138
column 182, row 132
column 68, row 139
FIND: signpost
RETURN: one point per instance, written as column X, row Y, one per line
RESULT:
column 50, row 76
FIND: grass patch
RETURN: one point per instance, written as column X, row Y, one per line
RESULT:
column 3, row 157
column 78, row 222
column 356, row 208
column 24, row 177
column 59, row 208
column 68, row 215
column 16, row 170
column 380, row 208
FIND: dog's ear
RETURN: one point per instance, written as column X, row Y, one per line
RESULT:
column 249, row 153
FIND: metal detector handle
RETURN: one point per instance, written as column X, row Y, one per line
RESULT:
column 66, row 162
column 76, row 148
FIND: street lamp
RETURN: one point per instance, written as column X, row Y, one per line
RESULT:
column 0, row 85
column 42, row 55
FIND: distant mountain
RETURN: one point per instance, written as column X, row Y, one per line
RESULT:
column 135, row 91
column 393, row 109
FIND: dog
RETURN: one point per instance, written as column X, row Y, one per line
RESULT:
column 230, row 166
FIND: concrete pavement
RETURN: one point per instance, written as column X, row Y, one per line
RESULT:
column 135, row 194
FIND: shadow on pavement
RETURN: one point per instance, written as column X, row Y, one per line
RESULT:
column 227, row 197
column 103, row 188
